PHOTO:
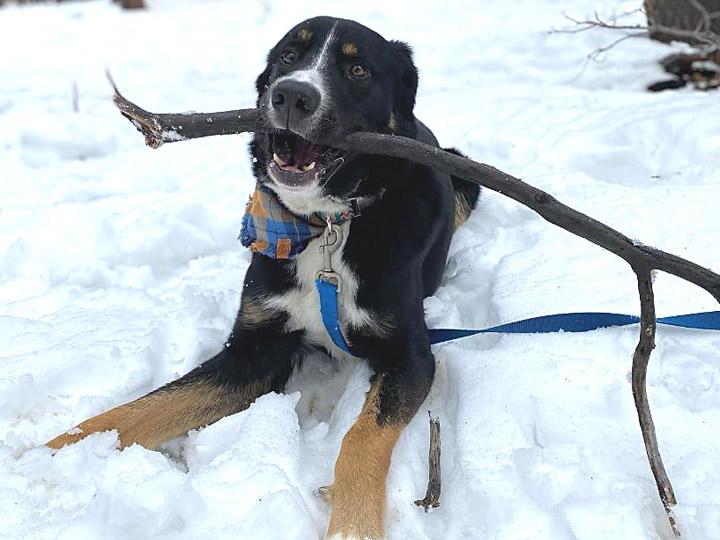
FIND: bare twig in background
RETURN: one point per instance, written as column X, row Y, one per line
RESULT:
column 696, row 22
column 709, row 40
column 668, row 20
column 594, row 55
column 642, row 259
column 75, row 96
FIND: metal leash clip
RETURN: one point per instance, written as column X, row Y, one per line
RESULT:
column 332, row 240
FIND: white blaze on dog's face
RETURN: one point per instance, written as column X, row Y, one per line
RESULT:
column 302, row 96
column 325, row 79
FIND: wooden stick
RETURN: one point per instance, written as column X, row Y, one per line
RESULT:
column 432, row 494
column 166, row 128
column 541, row 202
column 641, row 358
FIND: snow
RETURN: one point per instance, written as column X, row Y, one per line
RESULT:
column 120, row 270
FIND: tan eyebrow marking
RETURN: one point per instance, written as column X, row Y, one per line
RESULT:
column 304, row 35
column 349, row 49
column 392, row 123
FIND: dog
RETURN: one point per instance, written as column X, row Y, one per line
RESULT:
column 376, row 229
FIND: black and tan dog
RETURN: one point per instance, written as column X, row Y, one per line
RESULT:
column 391, row 222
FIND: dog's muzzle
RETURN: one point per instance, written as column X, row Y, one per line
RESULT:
column 294, row 103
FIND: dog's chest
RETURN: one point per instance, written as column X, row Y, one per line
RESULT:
column 302, row 303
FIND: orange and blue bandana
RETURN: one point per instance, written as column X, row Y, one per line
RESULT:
column 271, row 229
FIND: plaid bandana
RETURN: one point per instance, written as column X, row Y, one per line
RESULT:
column 271, row 229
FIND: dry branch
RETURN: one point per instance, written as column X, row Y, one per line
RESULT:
column 670, row 20
column 641, row 358
column 706, row 39
column 432, row 494
column 164, row 128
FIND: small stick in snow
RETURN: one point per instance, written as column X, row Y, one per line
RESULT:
column 162, row 128
column 641, row 358
column 432, row 495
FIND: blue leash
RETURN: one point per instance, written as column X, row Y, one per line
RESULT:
column 563, row 322
column 577, row 322
column 329, row 312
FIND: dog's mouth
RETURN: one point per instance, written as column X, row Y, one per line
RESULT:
column 296, row 162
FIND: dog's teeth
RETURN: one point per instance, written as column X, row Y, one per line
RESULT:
column 309, row 167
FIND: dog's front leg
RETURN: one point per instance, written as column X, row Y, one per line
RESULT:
column 253, row 363
column 358, row 491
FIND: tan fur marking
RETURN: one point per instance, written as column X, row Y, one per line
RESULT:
column 304, row 35
column 254, row 312
column 358, row 492
column 462, row 210
column 392, row 122
column 349, row 49
column 165, row 414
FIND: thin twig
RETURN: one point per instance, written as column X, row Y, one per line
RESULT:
column 597, row 22
column 600, row 50
column 641, row 358
column 432, row 494
column 709, row 40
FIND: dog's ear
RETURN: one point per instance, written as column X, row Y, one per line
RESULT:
column 406, row 80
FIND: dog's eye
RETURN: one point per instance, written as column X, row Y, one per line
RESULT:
column 358, row 71
column 288, row 57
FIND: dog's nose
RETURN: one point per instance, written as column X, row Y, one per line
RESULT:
column 295, row 100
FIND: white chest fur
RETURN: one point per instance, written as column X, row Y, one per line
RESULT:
column 303, row 302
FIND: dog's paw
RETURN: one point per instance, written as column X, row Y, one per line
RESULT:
column 70, row 436
column 324, row 493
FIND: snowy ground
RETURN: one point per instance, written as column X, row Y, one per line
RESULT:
column 119, row 270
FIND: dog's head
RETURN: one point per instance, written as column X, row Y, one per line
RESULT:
column 325, row 79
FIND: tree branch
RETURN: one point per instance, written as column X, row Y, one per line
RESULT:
column 541, row 202
column 162, row 128
column 165, row 128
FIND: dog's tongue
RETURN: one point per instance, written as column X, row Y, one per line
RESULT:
column 302, row 154
column 305, row 153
